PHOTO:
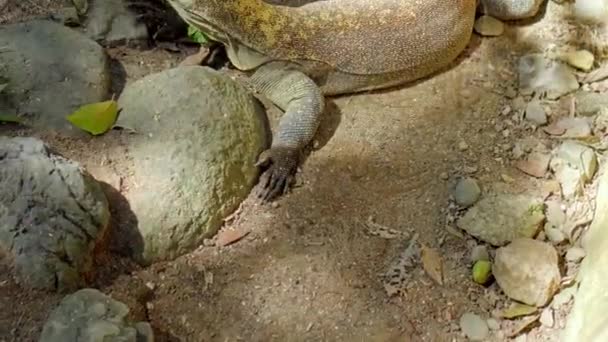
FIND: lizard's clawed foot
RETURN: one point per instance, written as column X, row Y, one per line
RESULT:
column 277, row 178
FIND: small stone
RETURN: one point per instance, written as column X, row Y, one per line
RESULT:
column 555, row 235
column 466, row 192
column 474, row 327
column 444, row 176
column 580, row 59
column 579, row 156
column 575, row 254
column 463, row 146
column 546, row 318
column 493, row 324
column 578, row 127
column 500, row 218
column 536, row 113
column 554, row 213
column 527, row 271
column 563, row 297
column 479, row 252
column 489, row 26
column 590, row 103
column 89, row 315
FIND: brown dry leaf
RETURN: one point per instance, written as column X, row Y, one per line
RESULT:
column 535, row 165
column 228, row 236
column 554, row 129
column 432, row 263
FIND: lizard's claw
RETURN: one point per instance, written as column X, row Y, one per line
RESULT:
column 277, row 178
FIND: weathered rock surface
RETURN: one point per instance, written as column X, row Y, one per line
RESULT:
column 199, row 134
column 466, row 192
column 588, row 321
column 89, row 316
column 52, row 213
column 474, row 327
column 111, row 22
column 500, row 218
column 51, row 70
column 511, row 9
column 590, row 103
column 527, row 271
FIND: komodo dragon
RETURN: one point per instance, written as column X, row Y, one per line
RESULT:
column 300, row 53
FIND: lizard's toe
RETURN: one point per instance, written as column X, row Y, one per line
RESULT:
column 276, row 180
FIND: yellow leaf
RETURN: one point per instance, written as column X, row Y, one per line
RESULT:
column 517, row 310
column 432, row 263
column 95, row 118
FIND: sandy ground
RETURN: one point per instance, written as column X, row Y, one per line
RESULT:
column 308, row 271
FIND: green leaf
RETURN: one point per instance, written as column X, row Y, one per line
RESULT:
column 95, row 118
column 197, row 35
column 10, row 118
column 482, row 271
column 518, row 310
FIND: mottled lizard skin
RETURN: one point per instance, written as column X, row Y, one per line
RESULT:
column 298, row 51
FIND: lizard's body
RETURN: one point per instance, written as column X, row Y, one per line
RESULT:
column 297, row 55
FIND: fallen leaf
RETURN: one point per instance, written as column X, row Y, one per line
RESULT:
column 228, row 236
column 554, row 129
column 432, row 263
column 535, row 165
column 95, row 118
column 197, row 35
column 482, row 271
column 518, row 310
column 9, row 118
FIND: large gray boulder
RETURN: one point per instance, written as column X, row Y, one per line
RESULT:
column 588, row 321
column 91, row 316
column 52, row 215
column 197, row 135
column 51, row 71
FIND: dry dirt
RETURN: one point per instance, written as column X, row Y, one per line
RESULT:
column 308, row 271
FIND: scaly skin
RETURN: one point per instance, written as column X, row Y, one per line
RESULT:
column 299, row 53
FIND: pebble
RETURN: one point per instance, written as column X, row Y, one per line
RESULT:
column 493, row 324
column 554, row 213
column 474, row 327
column 555, row 235
column 463, row 146
column 479, row 252
column 489, row 26
column 527, row 271
column 467, row 192
column 580, row 59
column 575, row 254
column 580, row 156
column 444, row 176
column 535, row 113
column 499, row 218
column 546, row 318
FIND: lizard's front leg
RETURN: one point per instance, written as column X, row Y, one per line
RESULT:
column 303, row 103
